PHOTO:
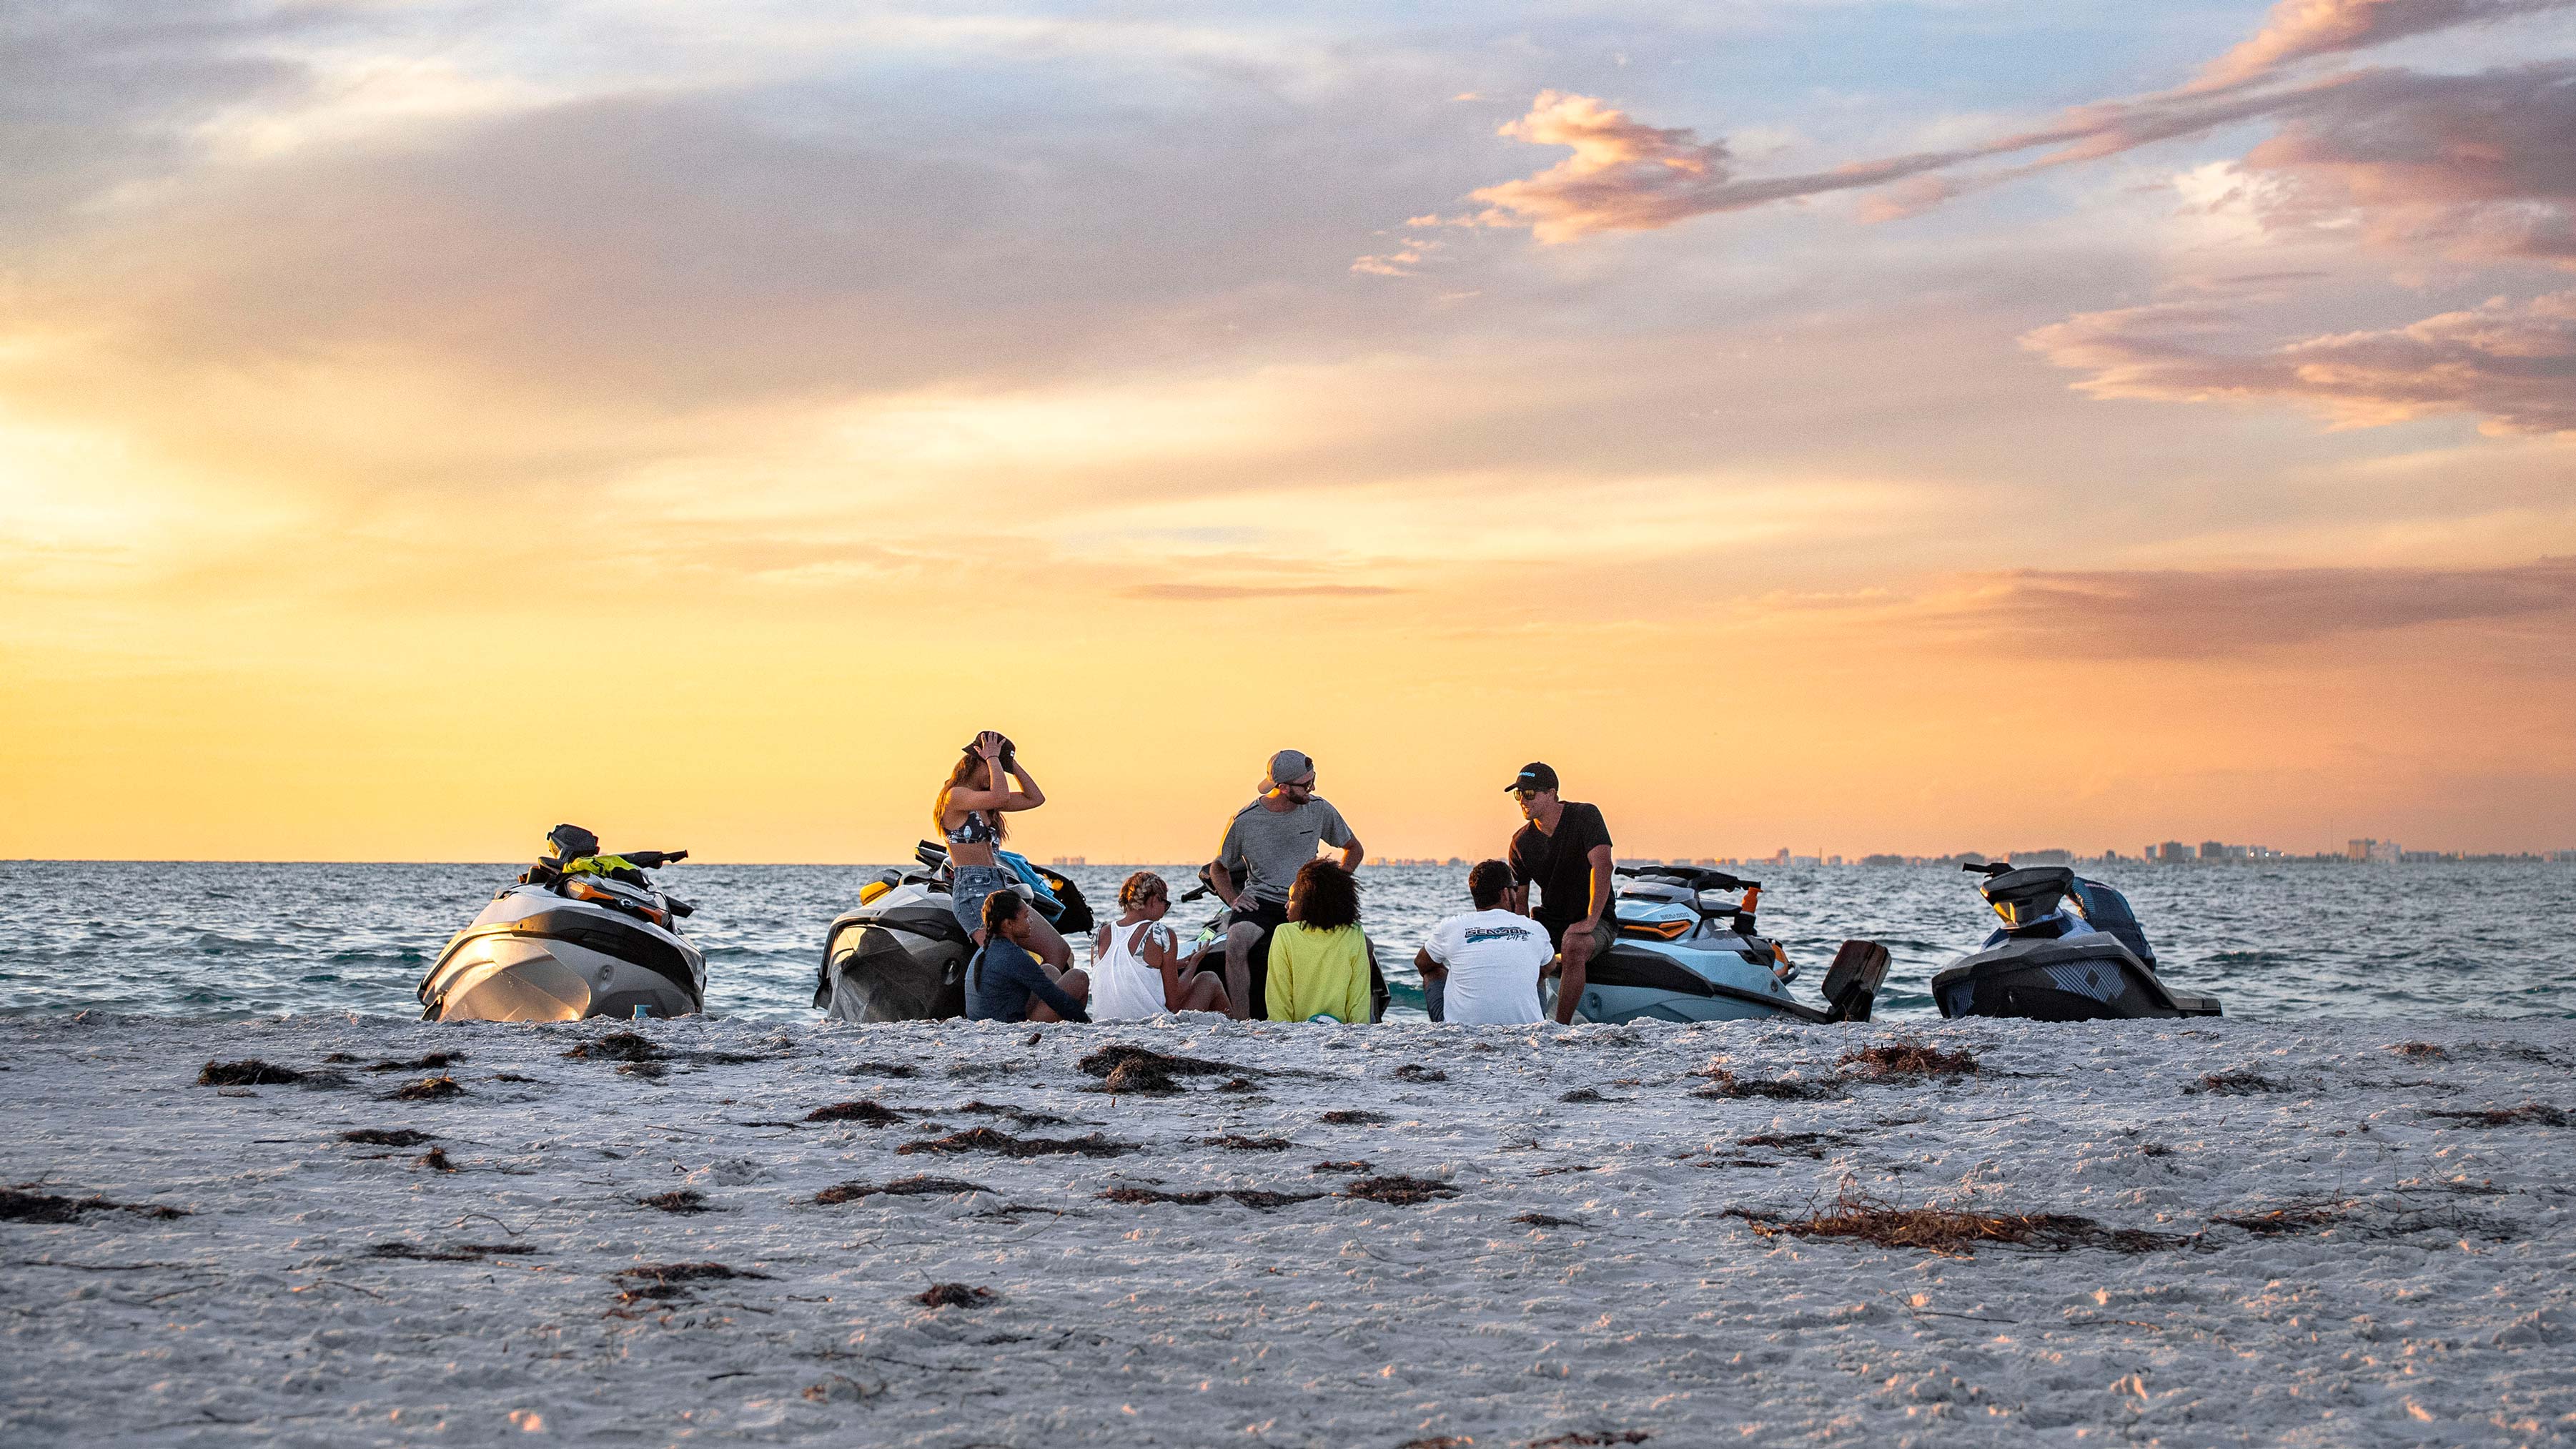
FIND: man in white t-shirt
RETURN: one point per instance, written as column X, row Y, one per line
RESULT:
column 1484, row 967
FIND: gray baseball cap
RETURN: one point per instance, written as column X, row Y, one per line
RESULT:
column 1289, row 766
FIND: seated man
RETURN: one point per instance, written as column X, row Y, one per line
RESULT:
column 1266, row 844
column 1487, row 963
column 1007, row 982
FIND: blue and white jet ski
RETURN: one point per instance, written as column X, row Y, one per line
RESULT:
column 1687, row 953
column 2069, row 949
column 581, row 934
column 900, row 954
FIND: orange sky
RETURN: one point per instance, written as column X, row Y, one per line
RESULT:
column 416, row 430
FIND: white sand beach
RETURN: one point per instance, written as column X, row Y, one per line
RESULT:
column 2289, row 1240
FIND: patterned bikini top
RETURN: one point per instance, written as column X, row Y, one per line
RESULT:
column 977, row 829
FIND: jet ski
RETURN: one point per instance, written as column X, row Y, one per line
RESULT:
column 581, row 934
column 2070, row 949
column 901, row 956
column 1685, row 952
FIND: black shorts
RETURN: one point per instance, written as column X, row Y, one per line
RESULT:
column 1269, row 916
column 1600, row 939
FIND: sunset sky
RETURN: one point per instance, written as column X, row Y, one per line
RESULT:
column 1830, row 424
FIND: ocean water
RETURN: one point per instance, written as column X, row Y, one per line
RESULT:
column 2274, row 943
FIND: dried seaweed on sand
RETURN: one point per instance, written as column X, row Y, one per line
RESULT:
column 917, row 1186
column 387, row 1137
column 1101, row 1061
column 1399, row 1191
column 1724, row 1083
column 1351, row 1117
column 2540, row 1112
column 18, row 1205
column 248, row 1072
column 953, row 1295
column 681, row 1200
column 616, row 1046
column 1251, row 1197
column 429, row 1089
column 1237, row 1142
column 1954, row 1232
column 1908, row 1058
column 2246, row 1083
column 665, row 1281
column 985, row 1139
column 865, row 1113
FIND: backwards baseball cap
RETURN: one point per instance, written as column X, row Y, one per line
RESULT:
column 1289, row 766
column 1533, row 776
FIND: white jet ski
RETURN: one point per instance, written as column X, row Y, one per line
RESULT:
column 583, row 934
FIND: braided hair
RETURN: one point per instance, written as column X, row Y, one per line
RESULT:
column 1139, row 888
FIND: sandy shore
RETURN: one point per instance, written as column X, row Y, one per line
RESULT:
column 2287, row 1240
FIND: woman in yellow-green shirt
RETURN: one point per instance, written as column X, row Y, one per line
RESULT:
column 1320, row 963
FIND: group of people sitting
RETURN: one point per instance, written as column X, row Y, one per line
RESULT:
column 1293, row 949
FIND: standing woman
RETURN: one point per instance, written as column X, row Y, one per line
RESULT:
column 970, row 809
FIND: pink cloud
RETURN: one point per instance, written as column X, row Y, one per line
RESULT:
column 1623, row 176
column 2511, row 363
column 2300, row 30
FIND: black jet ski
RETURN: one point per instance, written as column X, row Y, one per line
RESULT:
column 2070, row 949
column 1685, row 952
column 581, row 934
column 901, row 956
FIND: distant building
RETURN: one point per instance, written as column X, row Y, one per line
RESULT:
column 1065, row 860
column 2172, row 852
column 2384, row 852
column 2042, row 857
column 1882, row 860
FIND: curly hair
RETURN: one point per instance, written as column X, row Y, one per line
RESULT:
column 1324, row 896
column 1139, row 888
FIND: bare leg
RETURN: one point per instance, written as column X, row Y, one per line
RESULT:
column 1580, row 948
column 1046, row 944
column 1075, row 983
column 1238, row 969
column 1204, row 993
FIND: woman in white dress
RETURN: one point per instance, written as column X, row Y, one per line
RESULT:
column 1136, row 965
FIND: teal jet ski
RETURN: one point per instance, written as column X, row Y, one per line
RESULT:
column 1687, row 950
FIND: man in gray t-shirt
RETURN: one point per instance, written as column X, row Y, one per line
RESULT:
column 1266, row 844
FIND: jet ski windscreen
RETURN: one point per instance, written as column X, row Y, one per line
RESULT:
column 2109, row 911
column 2025, row 895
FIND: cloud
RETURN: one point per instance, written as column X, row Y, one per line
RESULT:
column 1623, row 176
column 2479, row 166
column 1628, row 176
column 2198, row 614
column 2511, row 363
column 2300, row 30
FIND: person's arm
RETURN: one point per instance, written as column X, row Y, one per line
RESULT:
column 1162, row 953
column 1358, row 1003
column 1431, row 970
column 1604, row 875
column 1219, row 872
column 1352, row 851
column 1281, row 989
column 993, row 796
column 1027, row 797
column 1030, row 974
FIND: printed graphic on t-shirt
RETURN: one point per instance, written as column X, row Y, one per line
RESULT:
column 1496, row 933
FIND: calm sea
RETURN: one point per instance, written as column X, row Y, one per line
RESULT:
column 2275, row 943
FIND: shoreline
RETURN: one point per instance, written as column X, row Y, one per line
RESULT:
column 2286, row 1239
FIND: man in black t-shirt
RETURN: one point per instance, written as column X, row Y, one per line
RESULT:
column 1565, row 850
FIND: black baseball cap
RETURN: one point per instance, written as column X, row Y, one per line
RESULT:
column 1533, row 776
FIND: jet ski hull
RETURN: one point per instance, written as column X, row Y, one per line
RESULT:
column 535, row 956
column 907, row 963
column 2091, row 977
column 1635, row 981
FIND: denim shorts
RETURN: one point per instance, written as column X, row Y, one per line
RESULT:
column 968, row 885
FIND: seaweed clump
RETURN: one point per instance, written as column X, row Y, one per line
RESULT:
column 387, row 1137
column 1237, row 1142
column 2540, row 1112
column 18, row 1205
column 431, row 1062
column 985, row 1139
column 1350, row 1117
column 248, row 1072
column 1909, row 1059
column 916, row 1186
column 953, row 1295
column 616, row 1046
column 430, row 1089
column 1954, row 1232
column 682, row 1200
column 866, row 1113
column 1137, row 1077
column 666, row 1281
column 1399, row 1191
column 1724, row 1083
column 2247, row 1083
column 1102, row 1061
column 1251, row 1197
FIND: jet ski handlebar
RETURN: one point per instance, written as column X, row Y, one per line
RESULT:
column 653, row 859
column 1698, row 878
column 1989, row 868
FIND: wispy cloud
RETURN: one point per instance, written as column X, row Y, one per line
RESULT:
column 2511, row 363
column 1625, row 175
column 1217, row 593
column 2207, row 613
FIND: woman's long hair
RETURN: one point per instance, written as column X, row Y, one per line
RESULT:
column 971, row 765
column 1324, row 897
